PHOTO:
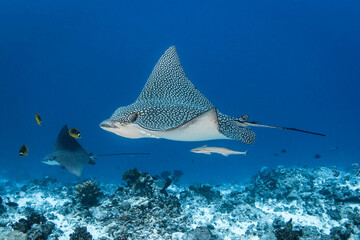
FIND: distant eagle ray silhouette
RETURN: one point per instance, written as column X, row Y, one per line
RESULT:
column 71, row 155
column 171, row 107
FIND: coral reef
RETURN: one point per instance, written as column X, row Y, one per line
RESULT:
column 35, row 226
column 81, row 233
column 281, row 183
column 36, row 218
column 165, row 174
column 206, row 191
column 266, row 208
column 285, row 231
column 2, row 208
column 22, row 225
column 12, row 235
column 141, row 207
column 88, row 193
column 140, row 183
column 11, row 203
column 44, row 182
column 199, row 233
column 175, row 176
column 167, row 184
column 40, row 231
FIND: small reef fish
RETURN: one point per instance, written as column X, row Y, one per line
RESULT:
column 74, row 133
column 38, row 119
column 358, row 173
column 23, row 151
column 347, row 178
column 317, row 156
column 336, row 173
column 283, row 151
column 223, row 151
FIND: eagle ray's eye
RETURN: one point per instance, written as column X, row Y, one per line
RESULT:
column 133, row 117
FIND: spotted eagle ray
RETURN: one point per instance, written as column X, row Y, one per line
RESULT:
column 171, row 107
column 71, row 155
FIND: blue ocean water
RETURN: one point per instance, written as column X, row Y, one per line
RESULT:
column 287, row 63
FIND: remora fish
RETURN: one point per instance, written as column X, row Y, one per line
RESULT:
column 171, row 107
column 223, row 151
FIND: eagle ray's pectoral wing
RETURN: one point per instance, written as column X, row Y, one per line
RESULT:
column 169, row 84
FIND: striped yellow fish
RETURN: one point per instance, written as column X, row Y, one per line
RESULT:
column 74, row 133
column 23, row 151
column 38, row 119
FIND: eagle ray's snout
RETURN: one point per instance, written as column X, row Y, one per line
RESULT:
column 106, row 124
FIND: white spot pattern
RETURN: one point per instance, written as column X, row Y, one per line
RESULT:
column 169, row 99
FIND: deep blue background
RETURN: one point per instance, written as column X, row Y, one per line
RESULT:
column 291, row 63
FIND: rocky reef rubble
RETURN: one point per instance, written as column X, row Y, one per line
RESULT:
column 282, row 204
column 2, row 208
column 35, row 226
column 175, row 176
column 81, row 233
column 88, row 194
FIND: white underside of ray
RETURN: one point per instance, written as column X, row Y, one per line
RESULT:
column 158, row 115
column 51, row 162
column 203, row 127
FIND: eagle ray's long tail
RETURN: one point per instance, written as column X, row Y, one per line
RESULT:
column 254, row 124
column 116, row 154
